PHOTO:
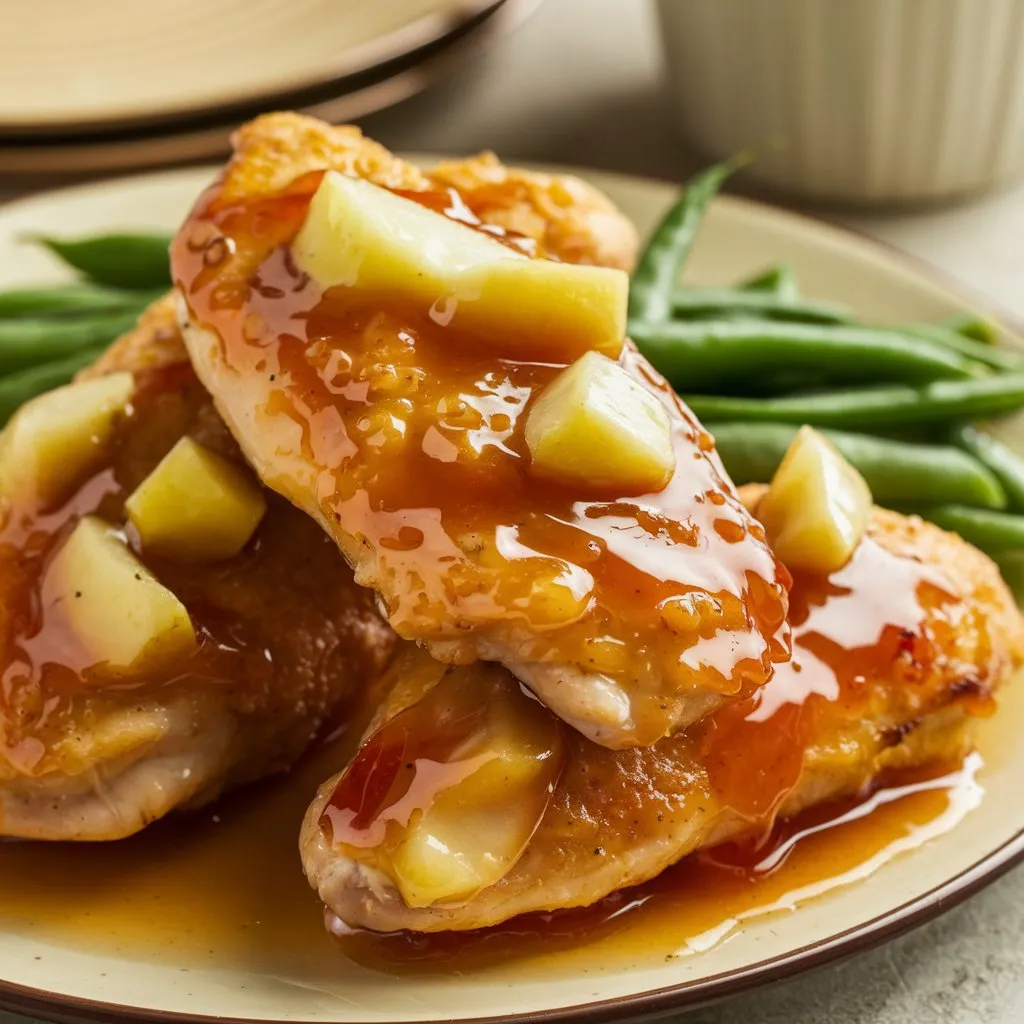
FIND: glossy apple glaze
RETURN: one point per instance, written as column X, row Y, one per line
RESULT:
column 225, row 885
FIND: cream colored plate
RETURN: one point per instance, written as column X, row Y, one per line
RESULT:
column 262, row 982
column 24, row 161
column 106, row 63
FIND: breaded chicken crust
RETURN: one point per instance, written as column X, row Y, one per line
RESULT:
column 569, row 219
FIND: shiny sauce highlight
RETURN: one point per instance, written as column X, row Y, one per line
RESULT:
column 869, row 645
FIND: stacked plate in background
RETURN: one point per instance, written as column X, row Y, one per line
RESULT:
column 114, row 85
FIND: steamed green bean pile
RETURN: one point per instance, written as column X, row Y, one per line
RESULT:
column 756, row 360
column 49, row 333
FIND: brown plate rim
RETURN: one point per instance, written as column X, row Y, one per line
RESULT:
column 689, row 995
column 396, row 45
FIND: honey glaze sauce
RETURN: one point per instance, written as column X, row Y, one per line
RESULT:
column 282, row 639
column 468, row 769
column 706, row 897
column 199, row 890
column 873, row 656
column 411, row 435
column 50, row 679
column 869, row 711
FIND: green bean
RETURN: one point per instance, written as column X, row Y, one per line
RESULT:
column 661, row 262
column 980, row 351
column 780, row 281
column 18, row 388
column 31, row 342
column 897, row 473
column 699, row 303
column 877, row 408
column 971, row 326
column 64, row 300
column 701, row 354
column 137, row 261
column 1011, row 565
column 993, row 532
column 1005, row 464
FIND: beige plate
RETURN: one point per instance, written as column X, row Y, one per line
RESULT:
column 110, row 63
column 22, row 162
column 43, row 978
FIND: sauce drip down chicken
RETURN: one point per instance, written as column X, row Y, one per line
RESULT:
column 269, row 651
column 894, row 656
column 396, row 416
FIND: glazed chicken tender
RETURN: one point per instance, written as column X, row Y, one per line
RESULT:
column 513, row 479
column 894, row 656
column 144, row 671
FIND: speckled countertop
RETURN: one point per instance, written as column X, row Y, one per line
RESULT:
column 580, row 83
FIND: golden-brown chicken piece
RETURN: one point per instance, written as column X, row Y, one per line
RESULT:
column 287, row 635
column 630, row 615
column 282, row 640
column 894, row 656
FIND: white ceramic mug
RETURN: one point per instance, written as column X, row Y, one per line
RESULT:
column 856, row 101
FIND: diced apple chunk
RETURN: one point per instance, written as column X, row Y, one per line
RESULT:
column 122, row 615
column 55, row 440
column 475, row 830
column 196, row 506
column 594, row 424
column 358, row 235
column 430, row 867
column 816, row 509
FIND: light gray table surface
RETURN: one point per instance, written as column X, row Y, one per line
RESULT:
column 580, row 83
